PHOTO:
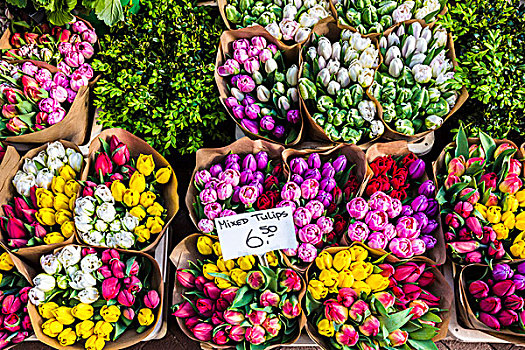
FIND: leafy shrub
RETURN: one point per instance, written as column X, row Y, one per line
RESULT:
column 489, row 39
column 158, row 70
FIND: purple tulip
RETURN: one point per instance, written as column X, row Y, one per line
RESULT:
column 422, row 219
column 267, row 123
column 427, row 188
column 250, row 125
column 502, row 272
column 230, row 176
column 430, row 242
column 325, row 198
column 479, row 289
column 252, row 111
column 227, row 212
column 326, row 224
column 293, row 116
column 231, row 102
column 328, row 170
column 241, row 55
column 377, row 240
column 297, row 179
column 340, row 163
column 416, row 169
column 245, row 83
column 376, row 220
column 248, row 100
column 235, row 196
column 357, row 208
column 298, row 166
column 432, row 208
column 521, row 268
column 257, row 185
column 233, row 166
column 314, row 161
column 328, row 184
column 309, row 189
column 258, row 175
column 279, row 131
column 358, row 231
column 246, row 177
column 249, row 163
column 243, row 44
column 420, row 203
column 519, row 281
column 238, row 111
column 312, row 174
column 491, row 305
column 507, row 318
column 406, row 210
column 215, row 170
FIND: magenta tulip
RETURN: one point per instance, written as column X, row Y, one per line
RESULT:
column 110, row 288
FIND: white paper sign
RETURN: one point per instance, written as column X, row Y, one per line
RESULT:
column 256, row 233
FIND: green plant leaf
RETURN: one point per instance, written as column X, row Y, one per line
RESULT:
column 396, row 320
column 111, row 11
column 461, row 144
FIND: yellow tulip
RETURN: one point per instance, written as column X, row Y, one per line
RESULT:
column 145, row 317
column 117, row 190
column 67, row 337
column 145, row 164
column 329, row 277
column 481, row 209
column 138, row 212
column 209, row 268
column 110, row 313
column 361, row 270
column 62, row 216
column 61, row 202
column 358, row 253
column 377, row 282
column 221, row 283
column 72, row 202
column 520, row 221
column 155, row 209
column 67, row 229
column 131, row 198
column 95, row 343
column 155, row 224
column 272, row 259
column 6, row 263
column 46, row 216
column 44, row 198
column 53, row 238
column 143, row 234
column 324, row 261
column 342, row 260
column 346, row 279
column 163, row 175
column 326, row 328
column 63, row 315
column 52, row 328
column 238, row 276
column 46, row 310
column 82, row 311
column 520, row 196
column 147, row 199
column 518, row 249
column 137, row 182
column 502, row 231
column 360, row 286
column 217, row 249
column 71, row 188
column 225, row 266
column 205, row 245
column 509, row 220
column 494, row 214
column 67, row 172
column 317, row 289
column 103, row 329
column 246, row 262
column 511, row 203
column 84, row 329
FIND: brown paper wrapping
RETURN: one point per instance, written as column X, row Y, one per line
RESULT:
column 181, row 255
column 328, row 27
column 438, row 254
column 10, row 160
column 72, row 128
column 439, row 166
column 136, row 147
column 32, row 254
column 208, row 156
column 451, row 54
column 129, row 337
column 290, row 54
column 466, row 314
column 439, row 288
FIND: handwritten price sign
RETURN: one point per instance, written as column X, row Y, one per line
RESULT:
column 256, row 233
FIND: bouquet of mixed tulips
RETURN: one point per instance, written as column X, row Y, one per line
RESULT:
column 287, row 21
column 415, row 84
column 37, row 206
column 257, row 79
column 93, row 296
column 353, row 300
column 124, row 202
column 338, row 67
column 369, row 17
column 483, row 198
column 15, row 325
column 36, row 96
column 239, row 303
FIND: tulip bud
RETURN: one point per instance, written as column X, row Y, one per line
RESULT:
column 489, row 320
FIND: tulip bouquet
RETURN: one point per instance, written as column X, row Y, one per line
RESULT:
column 416, row 84
column 121, row 205
column 34, row 98
column 495, row 298
column 15, row 324
column 263, row 89
column 93, row 296
column 67, row 47
column 483, row 198
column 44, row 191
column 353, row 301
column 238, row 302
column 369, row 17
column 288, row 21
column 335, row 76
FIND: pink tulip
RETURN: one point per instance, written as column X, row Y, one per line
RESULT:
column 268, row 298
column 451, row 180
column 473, row 194
column 12, row 323
column 347, row 335
column 255, row 279
column 385, row 298
column 377, row 240
column 229, row 294
column 26, row 323
column 457, row 166
column 205, row 307
column 129, row 313
column 86, row 49
column 501, row 148
column 333, row 311
column 237, row 333
column 358, row 232
column 105, row 271
column 398, row 337
column 272, row 325
column 419, row 308
column 291, row 307
column 110, row 288
column 255, row 335
column 464, row 246
column 120, row 155
column 90, row 36
column 16, row 228
column 186, row 279
column 74, row 58
column 511, row 184
column 118, row 268
column 220, row 337
column 357, row 310
column 132, row 284
column 125, row 298
column 376, row 220
column 346, row 297
column 233, row 317
column 203, row 331
column 103, row 165
column 212, row 291
column 515, row 167
column 370, row 326
column 200, row 281
column 290, row 280
column 23, row 295
column 490, row 180
column 464, row 209
column 257, row 317
column 401, row 247
column 11, row 304
column 184, row 310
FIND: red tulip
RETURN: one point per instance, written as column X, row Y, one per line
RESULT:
column 229, row 294
column 203, row 331
column 190, row 322
column 479, row 289
column 120, row 155
column 426, row 279
column 409, row 272
column 507, row 318
column 388, row 270
column 514, row 302
column 118, row 268
column 132, row 284
column 110, row 288
column 464, row 209
column 492, row 305
column 11, row 304
column 205, row 307
column 184, row 310
column 152, row 299
column 126, row 298
column 15, row 40
column 490, row 180
column 220, row 337
column 217, row 318
column 412, row 291
column 200, row 281
column 8, row 211
column 16, row 228
column 103, row 165
column 12, row 323
column 212, row 291
column 109, row 254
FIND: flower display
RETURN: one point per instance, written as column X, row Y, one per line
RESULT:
column 415, row 84
column 369, row 18
column 239, row 302
column 16, row 325
column 45, row 188
column 92, row 296
column 354, row 301
column 335, row 77
column 121, row 205
column 482, row 196
column 263, row 95
column 290, row 22
column 34, row 98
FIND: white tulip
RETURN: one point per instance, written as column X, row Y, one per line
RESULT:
column 270, row 66
column 426, row 34
column 409, row 47
column 85, row 206
column 69, row 255
column 44, row 178
column 403, row 12
column 367, row 110
column 368, row 57
column 81, row 280
column 54, row 164
column 312, row 53
column 124, row 239
column 416, row 29
column 56, row 150
column 383, row 43
column 451, row 100
column 333, row 88
column 293, row 95
column 433, row 122
column 396, row 67
column 115, row 226
column 441, row 36
column 357, row 42
column 323, row 77
column 306, row 20
column 321, row 62
column 88, row 295
column 418, row 58
column 400, row 31
column 263, row 94
column 24, row 183
column 391, row 53
column 336, row 51
column 422, row 73
column 333, row 66
column 355, row 71
column 93, row 237
column 41, row 158
column 345, row 34
column 342, row 77
column 50, row 264
column 393, row 39
column 302, row 34
column 318, row 12
column 366, row 78
column 106, row 211
column 421, row 45
column 289, row 12
column 292, row 75
column 129, row 222
column 239, row 96
column 75, row 160
column 103, row 193
column 309, row 3
column 44, row 282
column 350, row 55
column 36, row 296
column 29, row 167
column 110, row 240
column 324, row 48
column 274, row 30
column 376, row 128
column 297, row 3
column 63, row 282
column 100, row 226
column 70, row 270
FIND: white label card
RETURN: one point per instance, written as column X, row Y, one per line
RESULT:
column 256, row 233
